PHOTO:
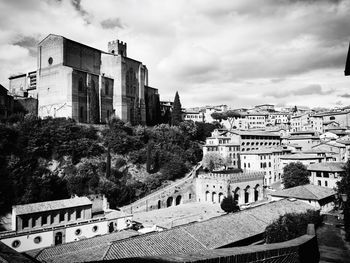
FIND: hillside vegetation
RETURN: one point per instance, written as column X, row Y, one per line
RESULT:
column 49, row 159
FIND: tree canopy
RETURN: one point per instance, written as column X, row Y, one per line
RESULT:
column 229, row 204
column 176, row 116
column 295, row 174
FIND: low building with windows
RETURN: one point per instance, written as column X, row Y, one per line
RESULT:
column 326, row 174
column 246, row 187
column 265, row 159
column 306, row 141
column 319, row 197
column 196, row 116
column 44, row 224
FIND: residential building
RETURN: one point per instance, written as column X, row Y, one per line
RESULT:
column 304, row 158
column 256, row 120
column 23, row 85
column 317, row 196
column 341, row 117
column 317, row 123
column 306, row 142
column 44, row 224
column 326, row 174
column 196, row 116
column 265, row 159
column 340, row 150
column 300, row 122
column 279, row 119
column 265, row 107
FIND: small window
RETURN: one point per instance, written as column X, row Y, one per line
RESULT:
column 189, row 196
column 78, row 214
column 78, row 232
column 50, row 60
column 25, row 222
column 37, row 240
column 44, row 220
column 62, row 216
column 16, row 243
column 94, row 228
column 325, row 183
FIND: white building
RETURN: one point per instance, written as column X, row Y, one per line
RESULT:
column 51, row 223
column 326, row 174
column 319, row 197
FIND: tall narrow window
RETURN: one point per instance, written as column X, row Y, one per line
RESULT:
column 81, row 113
column 25, row 222
column 81, row 84
column 78, row 214
column 44, row 220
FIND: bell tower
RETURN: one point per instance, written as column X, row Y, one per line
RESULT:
column 117, row 47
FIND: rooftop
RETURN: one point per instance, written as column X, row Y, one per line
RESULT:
column 266, row 150
column 210, row 234
column 327, row 167
column 306, row 192
column 301, row 156
column 51, row 205
column 255, row 133
column 79, row 251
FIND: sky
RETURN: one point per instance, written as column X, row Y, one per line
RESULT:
column 240, row 53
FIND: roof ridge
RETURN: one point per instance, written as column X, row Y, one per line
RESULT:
column 195, row 238
column 312, row 193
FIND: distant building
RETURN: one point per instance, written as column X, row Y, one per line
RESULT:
column 256, row 120
column 196, row 116
column 300, row 122
column 51, row 223
column 340, row 150
column 304, row 141
column 341, row 117
column 265, row 107
column 23, row 85
column 326, row 174
column 304, row 158
column 319, row 197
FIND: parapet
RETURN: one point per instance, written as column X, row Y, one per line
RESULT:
column 234, row 177
column 117, row 47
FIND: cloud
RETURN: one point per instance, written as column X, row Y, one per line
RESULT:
column 111, row 23
column 29, row 43
column 345, row 95
column 203, row 48
column 313, row 89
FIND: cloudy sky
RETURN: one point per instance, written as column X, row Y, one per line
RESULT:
column 239, row 53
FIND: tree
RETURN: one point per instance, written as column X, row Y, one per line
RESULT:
column 176, row 117
column 229, row 204
column 213, row 161
column 218, row 116
column 295, row 174
column 231, row 116
column 291, row 225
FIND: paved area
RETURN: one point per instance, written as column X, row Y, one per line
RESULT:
column 331, row 242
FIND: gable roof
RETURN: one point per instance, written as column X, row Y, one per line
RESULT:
column 306, row 192
column 83, row 250
column 51, row 205
column 210, row 234
column 327, row 167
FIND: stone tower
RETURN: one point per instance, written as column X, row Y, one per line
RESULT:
column 117, row 47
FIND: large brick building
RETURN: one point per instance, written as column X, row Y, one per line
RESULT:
column 90, row 85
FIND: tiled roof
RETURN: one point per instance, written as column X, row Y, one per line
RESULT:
column 264, row 150
column 52, row 205
column 300, row 156
column 255, row 133
column 79, row 251
column 10, row 255
column 327, row 167
column 303, row 137
column 209, row 234
column 308, row 192
column 176, row 240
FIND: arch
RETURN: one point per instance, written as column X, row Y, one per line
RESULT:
column 169, row 201
column 207, row 196
column 178, row 200
column 110, row 227
column 236, row 194
column 159, row 204
column 256, row 192
column 58, row 238
column 213, row 197
column 246, row 194
column 221, row 196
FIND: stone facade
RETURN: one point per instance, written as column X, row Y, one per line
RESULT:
column 244, row 187
column 90, row 85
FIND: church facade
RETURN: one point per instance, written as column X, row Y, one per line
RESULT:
column 89, row 85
